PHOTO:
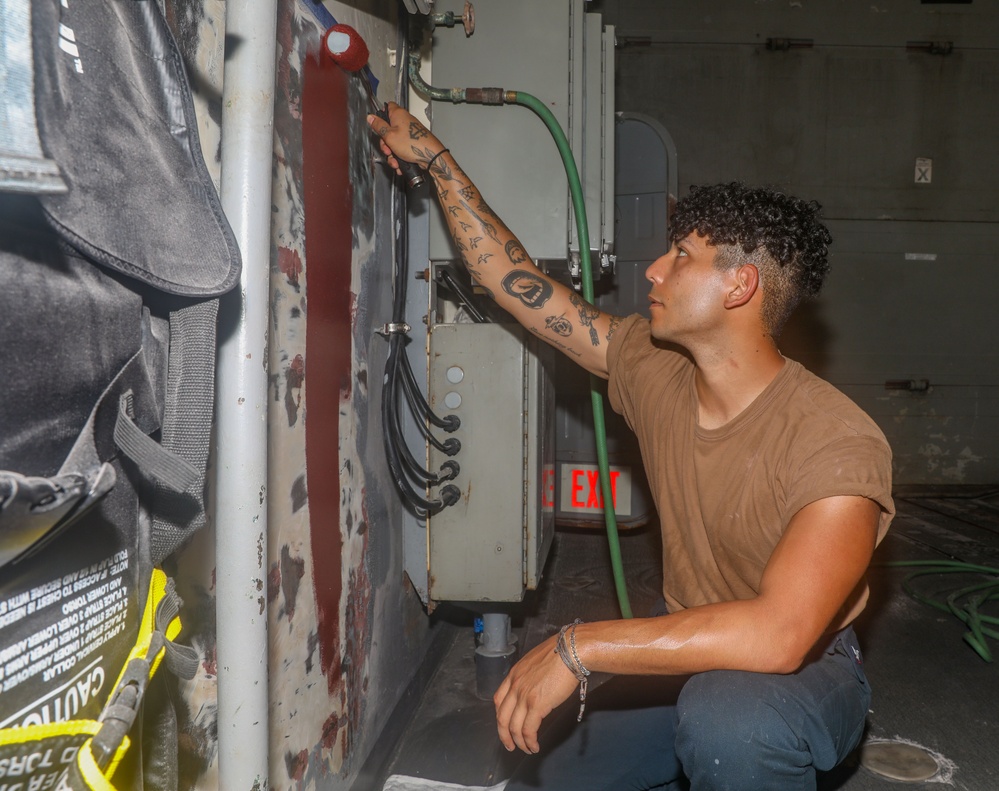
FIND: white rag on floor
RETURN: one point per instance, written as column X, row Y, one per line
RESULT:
column 402, row 783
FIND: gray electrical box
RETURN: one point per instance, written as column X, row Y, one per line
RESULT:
column 491, row 545
column 564, row 56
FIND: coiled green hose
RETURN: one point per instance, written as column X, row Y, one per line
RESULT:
column 976, row 595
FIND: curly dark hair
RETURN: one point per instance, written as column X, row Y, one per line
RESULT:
column 780, row 234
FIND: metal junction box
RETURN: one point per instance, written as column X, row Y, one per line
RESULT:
column 491, row 545
column 564, row 56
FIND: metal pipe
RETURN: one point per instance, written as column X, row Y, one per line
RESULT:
column 496, row 636
column 241, row 428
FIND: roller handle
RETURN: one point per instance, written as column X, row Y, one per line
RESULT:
column 410, row 170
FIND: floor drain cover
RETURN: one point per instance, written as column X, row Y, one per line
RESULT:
column 898, row 761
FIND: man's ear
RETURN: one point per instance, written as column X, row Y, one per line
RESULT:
column 743, row 285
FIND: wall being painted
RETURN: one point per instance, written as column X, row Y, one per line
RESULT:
column 842, row 117
column 346, row 630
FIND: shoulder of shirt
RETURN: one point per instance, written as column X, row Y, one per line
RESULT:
column 837, row 407
column 632, row 341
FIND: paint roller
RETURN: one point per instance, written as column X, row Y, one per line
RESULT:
column 348, row 50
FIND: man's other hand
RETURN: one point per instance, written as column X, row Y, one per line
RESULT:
column 531, row 690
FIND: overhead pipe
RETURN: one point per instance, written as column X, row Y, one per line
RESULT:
column 247, row 148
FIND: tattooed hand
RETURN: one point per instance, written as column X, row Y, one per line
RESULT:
column 404, row 139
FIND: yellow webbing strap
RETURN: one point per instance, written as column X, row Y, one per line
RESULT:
column 48, row 751
column 35, row 755
column 157, row 587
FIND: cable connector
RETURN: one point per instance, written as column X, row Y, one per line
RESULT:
column 449, row 470
column 450, row 494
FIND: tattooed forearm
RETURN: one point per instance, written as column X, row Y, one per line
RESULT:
column 439, row 168
column 484, row 257
column 515, row 252
column 560, row 325
column 487, row 227
column 587, row 313
column 486, row 209
column 474, row 241
column 530, row 288
column 615, row 322
column 552, row 342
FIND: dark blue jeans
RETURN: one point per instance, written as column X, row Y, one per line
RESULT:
column 725, row 730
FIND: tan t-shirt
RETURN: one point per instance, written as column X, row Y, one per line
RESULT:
column 726, row 495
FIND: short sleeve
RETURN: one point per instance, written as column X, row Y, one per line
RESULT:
column 858, row 465
column 620, row 358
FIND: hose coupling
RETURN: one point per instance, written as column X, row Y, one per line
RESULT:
column 485, row 95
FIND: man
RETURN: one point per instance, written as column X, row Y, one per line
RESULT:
column 773, row 490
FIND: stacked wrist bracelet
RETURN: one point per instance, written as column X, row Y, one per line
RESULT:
column 567, row 653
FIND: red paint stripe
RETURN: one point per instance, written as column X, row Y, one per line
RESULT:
column 328, row 201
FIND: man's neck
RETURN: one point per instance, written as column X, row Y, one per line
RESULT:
column 728, row 381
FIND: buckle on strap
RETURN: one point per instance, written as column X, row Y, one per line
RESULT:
column 33, row 510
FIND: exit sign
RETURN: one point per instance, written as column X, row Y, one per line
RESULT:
column 580, row 489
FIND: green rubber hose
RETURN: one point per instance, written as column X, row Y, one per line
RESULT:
column 586, row 268
column 969, row 612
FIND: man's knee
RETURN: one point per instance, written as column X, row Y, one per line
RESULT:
column 728, row 729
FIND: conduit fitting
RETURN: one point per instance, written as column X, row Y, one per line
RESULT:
column 486, row 95
column 493, row 96
column 448, row 19
column 455, row 95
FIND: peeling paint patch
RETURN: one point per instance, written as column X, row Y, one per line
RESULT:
column 296, row 764
column 355, row 664
column 210, row 664
column 294, row 377
column 290, row 263
column 331, row 730
column 299, row 494
column 292, row 571
column 313, row 644
column 273, row 583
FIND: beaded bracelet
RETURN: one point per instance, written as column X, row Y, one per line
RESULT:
column 571, row 660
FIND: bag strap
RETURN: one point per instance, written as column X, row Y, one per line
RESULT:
column 160, row 626
column 187, row 424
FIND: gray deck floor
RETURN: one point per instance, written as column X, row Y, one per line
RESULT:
column 930, row 688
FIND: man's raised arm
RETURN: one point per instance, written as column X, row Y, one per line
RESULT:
column 494, row 257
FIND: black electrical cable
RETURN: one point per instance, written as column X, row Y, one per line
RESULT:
column 417, row 472
column 420, row 504
column 451, row 446
column 449, row 423
column 400, row 460
column 449, row 494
